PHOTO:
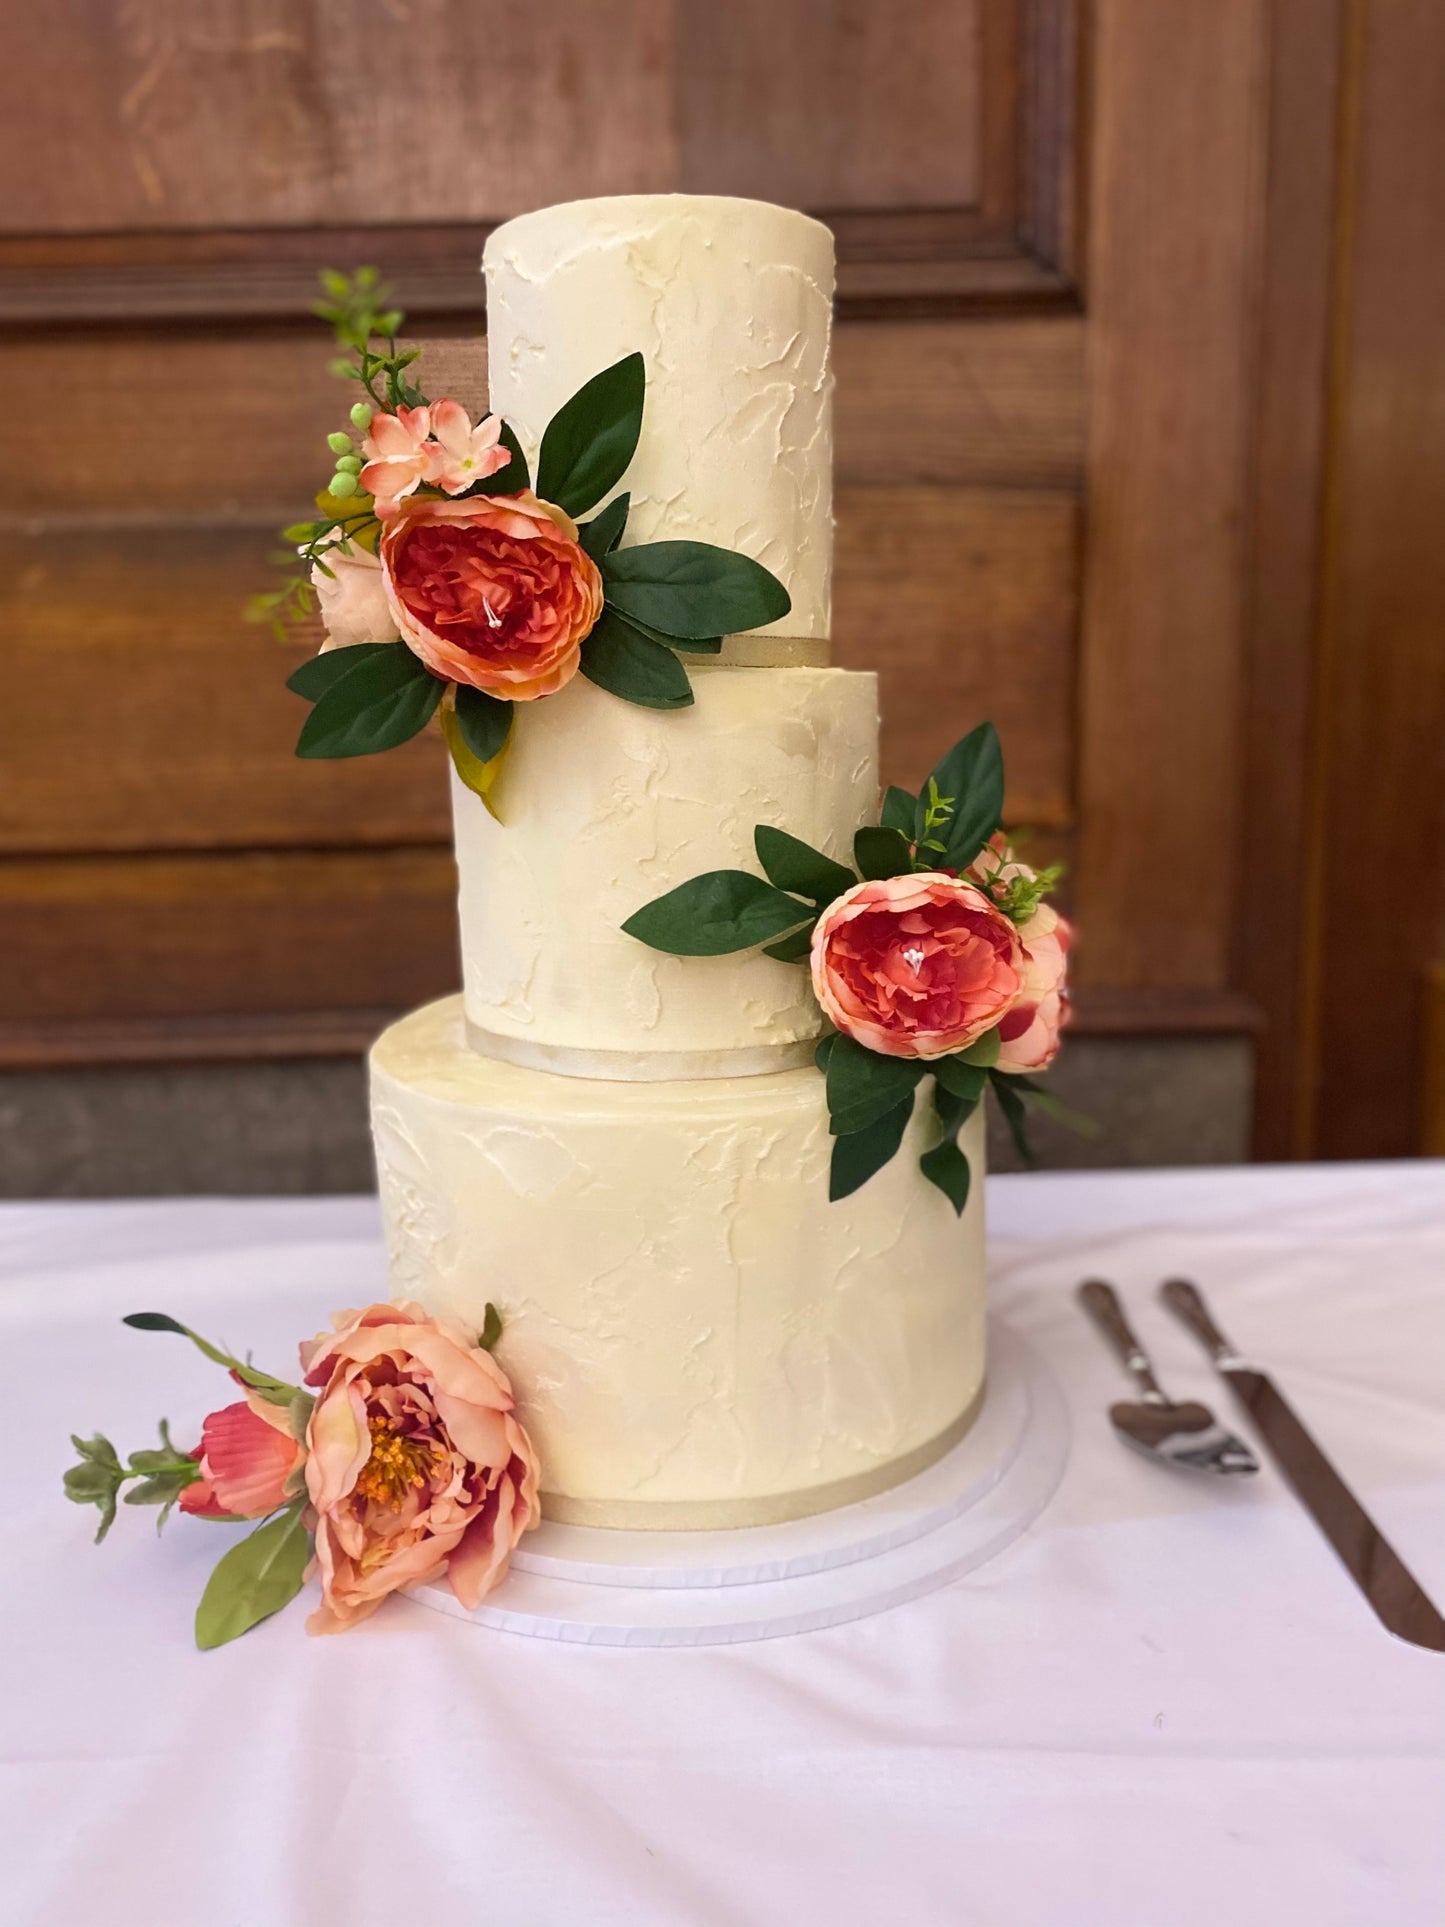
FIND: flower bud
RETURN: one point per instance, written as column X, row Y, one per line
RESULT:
column 349, row 465
column 361, row 414
column 341, row 484
column 338, row 443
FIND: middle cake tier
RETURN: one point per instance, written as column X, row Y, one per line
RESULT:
column 605, row 806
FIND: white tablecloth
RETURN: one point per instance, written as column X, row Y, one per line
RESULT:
column 1166, row 1703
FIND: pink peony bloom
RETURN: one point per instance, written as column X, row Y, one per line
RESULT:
column 460, row 454
column 353, row 600
column 247, row 1458
column 417, row 1465
column 398, row 454
column 1029, row 1034
column 915, row 966
column 493, row 590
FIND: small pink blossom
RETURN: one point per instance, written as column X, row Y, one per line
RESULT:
column 397, row 454
column 459, row 454
column 1029, row 1033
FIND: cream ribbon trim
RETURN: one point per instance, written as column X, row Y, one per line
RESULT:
column 770, row 1509
column 641, row 1066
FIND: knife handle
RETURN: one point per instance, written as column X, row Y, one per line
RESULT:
column 1184, row 1300
column 1101, row 1302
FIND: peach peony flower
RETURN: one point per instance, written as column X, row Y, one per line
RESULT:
column 493, row 590
column 1029, row 1034
column 915, row 966
column 417, row 1465
column 397, row 454
column 460, row 454
column 353, row 600
column 247, row 1458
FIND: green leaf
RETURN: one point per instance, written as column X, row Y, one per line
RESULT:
column 971, row 775
column 602, row 534
column 947, row 1167
column 491, row 1328
column 965, row 1081
column 632, row 666
column 162, row 1488
column 514, row 477
column 824, row 1050
column 792, row 949
column 863, row 1086
column 694, row 645
column 984, row 1052
column 882, row 853
column 97, row 1451
column 692, row 589
column 483, row 721
column 713, row 915
column 899, row 810
column 160, row 1321
column 797, row 866
column 298, row 1415
column 381, row 703
column 319, row 673
column 255, row 1579
column 857, row 1156
column 591, row 439
column 1012, row 1106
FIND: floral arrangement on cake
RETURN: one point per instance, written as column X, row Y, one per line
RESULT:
column 449, row 585
column 396, row 1461
column 937, row 954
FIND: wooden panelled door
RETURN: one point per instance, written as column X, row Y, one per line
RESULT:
column 1064, row 262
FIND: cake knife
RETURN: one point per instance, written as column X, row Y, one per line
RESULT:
column 1399, row 1601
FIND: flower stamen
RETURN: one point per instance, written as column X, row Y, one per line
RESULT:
column 397, row 1465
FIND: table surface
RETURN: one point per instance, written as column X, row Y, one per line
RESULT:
column 1165, row 1703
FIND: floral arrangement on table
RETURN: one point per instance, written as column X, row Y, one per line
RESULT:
column 398, row 1460
column 936, row 955
column 449, row 585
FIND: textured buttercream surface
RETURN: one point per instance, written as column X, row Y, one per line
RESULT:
column 686, row 1316
column 730, row 303
column 607, row 805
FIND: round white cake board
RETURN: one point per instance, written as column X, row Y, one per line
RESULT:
column 614, row 1588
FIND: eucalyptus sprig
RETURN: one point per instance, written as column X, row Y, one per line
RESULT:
column 358, row 307
column 98, row 1478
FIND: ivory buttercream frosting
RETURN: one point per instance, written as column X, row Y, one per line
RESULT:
column 626, row 1152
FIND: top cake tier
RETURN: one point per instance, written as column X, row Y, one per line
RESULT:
column 730, row 304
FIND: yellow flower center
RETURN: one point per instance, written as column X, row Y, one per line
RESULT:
column 397, row 1465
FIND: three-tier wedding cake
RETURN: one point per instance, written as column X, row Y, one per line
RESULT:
column 626, row 1152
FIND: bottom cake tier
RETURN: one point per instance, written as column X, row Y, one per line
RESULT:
column 697, row 1337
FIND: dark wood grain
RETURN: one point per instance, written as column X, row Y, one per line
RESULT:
column 1377, row 879
column 1174, row 244
column 966, row 603
column 1288, row 471
column 102, row 939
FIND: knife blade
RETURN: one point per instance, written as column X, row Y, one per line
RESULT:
column 1397, row 1598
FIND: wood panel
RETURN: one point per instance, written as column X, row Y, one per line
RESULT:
column 966, row 603
column 164, row 114
column 1378, row 872
column 144, row 712
column 183, row 739
column 1175, row 179
column 148, row 937
column 804, row 102
column 996, row 402
column 1289, row 468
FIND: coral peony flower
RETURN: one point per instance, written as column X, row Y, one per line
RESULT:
column 247, row 1457
column 916, row 966
column 493, row 590
column 417, row 1465
column 460, row 454
column 1029, row 1034
column 398, row 454
column 353, row 600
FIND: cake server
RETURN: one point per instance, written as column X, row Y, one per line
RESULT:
column 1187, row 1434
column 1399, row 1601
